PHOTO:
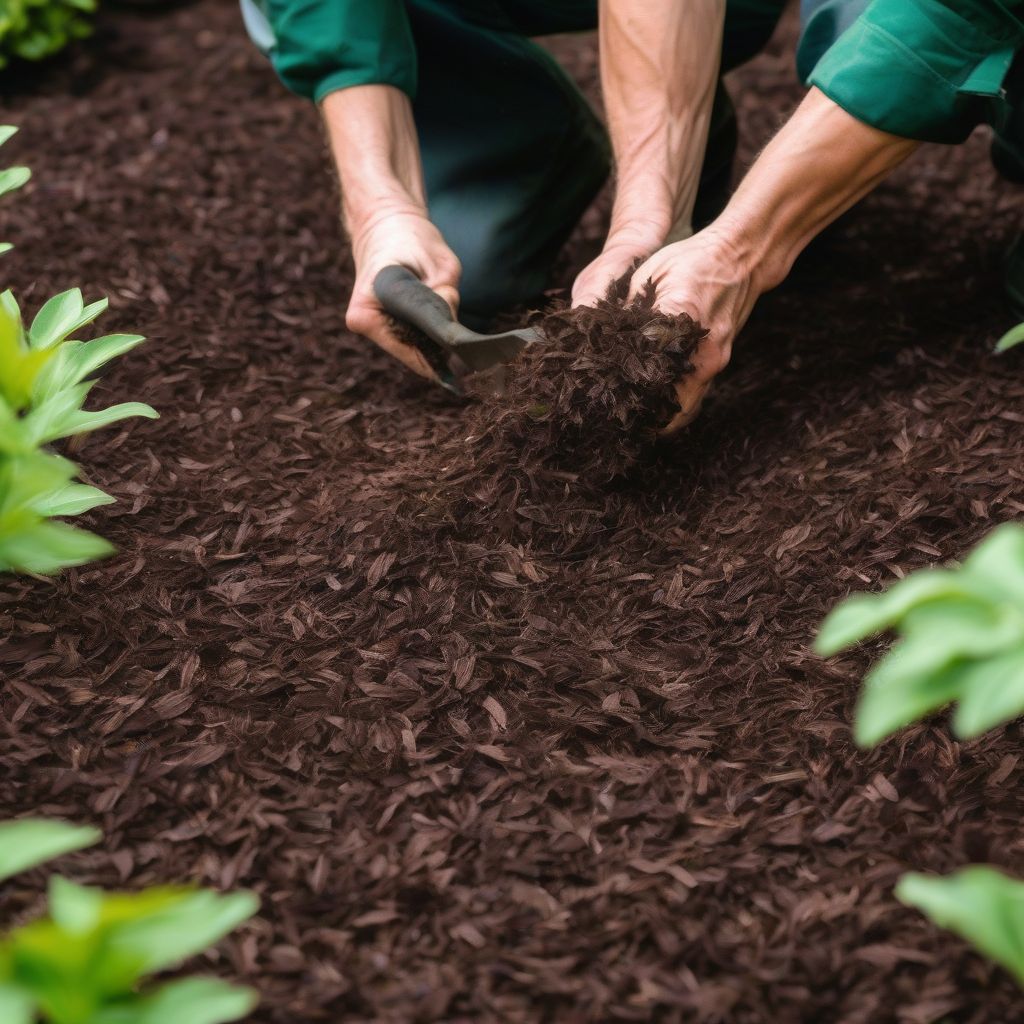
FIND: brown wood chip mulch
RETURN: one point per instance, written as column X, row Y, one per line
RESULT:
column 496, row 737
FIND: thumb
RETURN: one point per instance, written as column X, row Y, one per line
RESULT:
column 594, row 281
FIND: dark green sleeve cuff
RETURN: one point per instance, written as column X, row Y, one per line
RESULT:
column 321, row 46
column 922, row 69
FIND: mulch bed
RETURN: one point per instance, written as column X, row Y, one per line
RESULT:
column 496, row 733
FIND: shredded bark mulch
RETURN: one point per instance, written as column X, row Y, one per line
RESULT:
column 506, row 710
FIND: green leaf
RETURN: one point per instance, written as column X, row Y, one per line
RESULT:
column 13, row 178
column 992, row 692
column 885, row 707
column 997, row 564
column 61, row 415
column 863, row 615
column 7, row 132
column 5, row 247
column 46, row 548
column 31, row 841
column 56, row 318
column 76, row 360
column 94, row 354
column 1011, row 339
column 189, row 925
column 191, row 1000
column 75, row 908
column 72, row 500
column 16, row 1006
column 19, row 368
column 961, row 641
column 980, row 904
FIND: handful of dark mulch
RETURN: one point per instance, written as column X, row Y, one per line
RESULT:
column 591, row 398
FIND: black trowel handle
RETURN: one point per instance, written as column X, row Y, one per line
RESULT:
column 407, row 298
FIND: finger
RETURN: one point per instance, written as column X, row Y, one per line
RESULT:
column 691, row 400
column 408, row 355
column 373, row 323
column 593, row 283
column 450, row 295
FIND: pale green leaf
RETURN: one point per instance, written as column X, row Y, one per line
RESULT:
column 81, row 422
column 863, row 615
column 72, row 500
column 7, row 131
column 30, row 841
column 191, row 1000
column 886, row 707
column 183, row 929
column 980, row 904
column 46, row 548
column 57, row 317
column 1011, row 339
column 16, row 1006
column 13, row 178
column 5, row 247
column 75, row 908
column 997, row 563
column 992, row 693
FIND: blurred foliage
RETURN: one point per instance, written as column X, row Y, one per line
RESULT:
column 44, row 382
column 34, row 29
column 83, row 963
column 960, row 641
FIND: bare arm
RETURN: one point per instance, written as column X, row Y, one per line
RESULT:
column 384, row 208
column 818, row 166
column 659, row 69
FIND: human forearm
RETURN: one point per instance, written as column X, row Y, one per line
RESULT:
column 818, row 166
column 373, row 140
column 659, row 68
column 376, row 150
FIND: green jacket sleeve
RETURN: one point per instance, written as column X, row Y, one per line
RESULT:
column 321, row 46
column 921, row 69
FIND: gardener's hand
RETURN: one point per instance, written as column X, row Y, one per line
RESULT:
column 821, row 163
column 708, row 278
column 384, row 208
column 407, row 238
column 621, row 253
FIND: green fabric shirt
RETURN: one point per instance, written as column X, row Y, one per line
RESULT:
column 922, row 69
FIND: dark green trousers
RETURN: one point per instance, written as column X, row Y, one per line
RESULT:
column 512, row 152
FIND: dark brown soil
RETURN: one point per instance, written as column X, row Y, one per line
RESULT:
column 497, row 733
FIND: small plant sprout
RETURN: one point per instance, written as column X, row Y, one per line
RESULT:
column 980, row 904
column 84, row 963
column 44, row 382
column 11, row 178
column 1011, row 339
column 961, row 640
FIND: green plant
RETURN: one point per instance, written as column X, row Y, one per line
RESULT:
column 11, row 178
column 1011, row 339
column 34, row 29
column 44, row 382
column 84, row 962
column 980, row 904
column 961, row 641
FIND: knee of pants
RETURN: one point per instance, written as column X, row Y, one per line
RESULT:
column 494, row 275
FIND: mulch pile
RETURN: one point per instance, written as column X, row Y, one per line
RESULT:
column 506, row 711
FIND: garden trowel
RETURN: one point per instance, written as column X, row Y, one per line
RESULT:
column 439, row 336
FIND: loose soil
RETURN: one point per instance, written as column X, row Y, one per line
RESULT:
column 499, row 729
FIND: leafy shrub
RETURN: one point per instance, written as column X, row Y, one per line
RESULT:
column 34, row 29
column 44, row 382
column 83, row 963
column 980, row 904
column 961, row 641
